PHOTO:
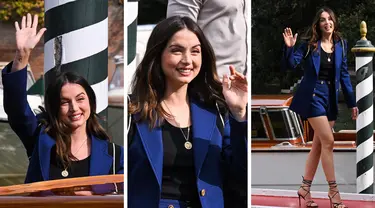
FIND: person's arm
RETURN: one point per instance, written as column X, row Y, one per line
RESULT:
column 235, row 163
column 20, row 116
column 14, row 76
column 235, row 131
column 235, row 145
column 293, row 57
column 187, row 8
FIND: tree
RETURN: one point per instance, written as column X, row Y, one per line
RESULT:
column 13, row 10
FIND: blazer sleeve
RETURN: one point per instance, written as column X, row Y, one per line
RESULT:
column 345, row 82
column 188, row 8
column 235, row 166
column 20, row 116
column 291, row 57
column 235, row 148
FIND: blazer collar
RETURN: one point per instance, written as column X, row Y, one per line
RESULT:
column 337, row 53
column 316, row 58
column 203, row 123
column 100, row 161
column 45, row 145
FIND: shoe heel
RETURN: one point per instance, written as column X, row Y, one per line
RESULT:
column 330, row 202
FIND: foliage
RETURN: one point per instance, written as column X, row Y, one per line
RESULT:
column 13, row 10
column 269, row 18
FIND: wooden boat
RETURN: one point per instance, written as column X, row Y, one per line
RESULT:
column 281, row 142
column 93, row 191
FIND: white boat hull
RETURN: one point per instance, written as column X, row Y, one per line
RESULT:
column 284, row 170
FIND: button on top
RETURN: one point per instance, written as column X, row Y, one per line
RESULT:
column 203, row 192
column 321, row 82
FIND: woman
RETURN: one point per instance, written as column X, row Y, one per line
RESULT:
column 177, row 153
column 317, row 96
column 70, row 141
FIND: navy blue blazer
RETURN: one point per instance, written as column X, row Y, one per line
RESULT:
column 23, row 121
column 303, row 96
column 214, row 156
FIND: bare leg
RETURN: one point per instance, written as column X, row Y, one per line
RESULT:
column 310, row 168
column 323, row 130
column 313, row 158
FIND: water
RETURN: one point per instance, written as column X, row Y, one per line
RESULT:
column 13, row 159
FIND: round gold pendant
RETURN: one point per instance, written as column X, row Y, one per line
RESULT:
column 188, row 145
column 64, row 173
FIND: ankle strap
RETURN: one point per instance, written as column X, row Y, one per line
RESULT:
column 332, row 183
column 306, row 182
column 332, row 186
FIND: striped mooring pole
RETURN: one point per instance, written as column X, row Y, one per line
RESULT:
column 131, row 23
column 77, row 40
column 364, row 52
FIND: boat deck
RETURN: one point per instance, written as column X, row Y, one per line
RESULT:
column 288, row 198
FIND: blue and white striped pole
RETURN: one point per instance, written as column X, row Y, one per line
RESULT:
column 364, row 52
column 131, row 23
column 77, row 40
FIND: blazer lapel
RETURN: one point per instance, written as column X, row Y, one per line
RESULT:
column 100, row 161
column 338, row 58
column 45, row 145
column 153, row 144
column 316, row 59
column 203, row 125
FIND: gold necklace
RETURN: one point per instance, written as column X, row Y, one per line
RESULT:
column 65, row 172
column 329, row 56
column 188, row 145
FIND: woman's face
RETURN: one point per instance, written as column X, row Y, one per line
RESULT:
column 181, row 59
column 74, row 106
column 326, row 24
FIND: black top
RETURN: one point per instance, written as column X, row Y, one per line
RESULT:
column 179, row 179
column 326, row 71
column 77, row 169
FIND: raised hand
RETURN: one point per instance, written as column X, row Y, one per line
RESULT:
column 235, row 93
column 289, row 39
column 26, row 40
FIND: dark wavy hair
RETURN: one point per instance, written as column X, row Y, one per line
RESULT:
column 59, row 130
column 148, row 84
column 314, row 33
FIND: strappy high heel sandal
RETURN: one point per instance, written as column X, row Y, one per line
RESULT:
column 333, row 187
column 306, row 184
